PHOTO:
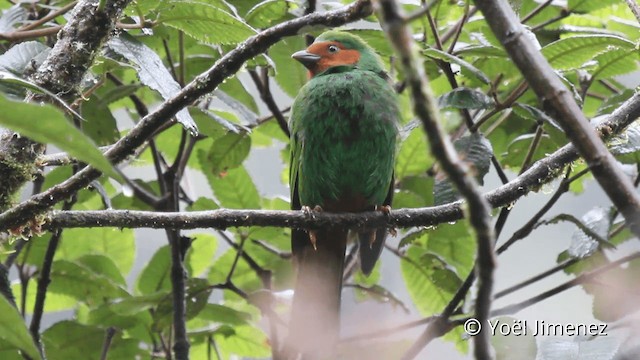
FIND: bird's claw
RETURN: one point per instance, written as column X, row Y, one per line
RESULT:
column 309, row 212
column 313, row 234
column 386, row 209
column 313, row 238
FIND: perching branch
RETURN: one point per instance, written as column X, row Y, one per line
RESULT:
column 558, row 100
column 425, row 108
column 228, row 65
column 539, row 173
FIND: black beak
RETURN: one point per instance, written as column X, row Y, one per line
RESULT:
column 307, row 59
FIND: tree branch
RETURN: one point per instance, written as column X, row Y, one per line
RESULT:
column 559, row 101
column 479, row 211
column 539, row 173
column 581, row 279
column 228, row 65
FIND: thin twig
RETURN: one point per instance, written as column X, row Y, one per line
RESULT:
column 580, row 279
column 50, row 16
column 44, row 280
column 543, row 275
column 536, row 11
column 106, row 345
column 527, row 228
column 262, row 83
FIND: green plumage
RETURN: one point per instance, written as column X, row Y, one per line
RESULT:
column 344, row 132
column 344, row 128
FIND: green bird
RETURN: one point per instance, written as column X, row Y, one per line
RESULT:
column 344, row 128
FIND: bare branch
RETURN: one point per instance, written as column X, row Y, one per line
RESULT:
column 479, row 211
column 559, row 101
column 581, row 279
column 539, row 173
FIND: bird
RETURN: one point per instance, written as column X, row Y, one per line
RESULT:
column 344, row 128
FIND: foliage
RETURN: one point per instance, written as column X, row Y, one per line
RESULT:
column 162, row 46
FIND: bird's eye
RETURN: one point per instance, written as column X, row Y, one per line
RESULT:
column 333, row 49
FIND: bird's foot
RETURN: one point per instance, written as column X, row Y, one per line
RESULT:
column 313, row 234
column 309, row 212
column 386, row 209
column 313, row 238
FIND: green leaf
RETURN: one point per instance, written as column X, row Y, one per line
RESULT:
column 459, row 254
column 413, row 157
column 83, row 283
column 11, row 17
column 597, row 220
column 269, row 13
column 550, row 125
column 14, row 331
column 290, row 75
column 137, row 304
column 476, row 151
column 55, row 302
column 197, row 294
column 201, row 253
column 156, row 275
column 118, row 245
column 212, row 125
column 444, row 192
column 45, row 124
column 519, row 147
column 445, row 56
column 19, row 57
column 101, row 264
column 626, row 146
column 224, row 315
column 9, row 79
column 203, row 204
column 151, row 72
column 101, row 125
column 234, row 88
column 420, row 185
column 585, row 6
column 429, row 287
column 104, row 315
column 572, row 52
column 234, row 189
column 204, row 22
column 228, row 152
column 615, row 62
column 239, row 108
column 464, row 98
column 243, row 276
column 71, row 340
column 246, row 341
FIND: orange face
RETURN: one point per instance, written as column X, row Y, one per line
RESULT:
column 328, row 54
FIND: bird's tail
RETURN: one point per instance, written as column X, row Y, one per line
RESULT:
column 315, row 318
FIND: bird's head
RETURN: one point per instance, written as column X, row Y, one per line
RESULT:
column 337, row 48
